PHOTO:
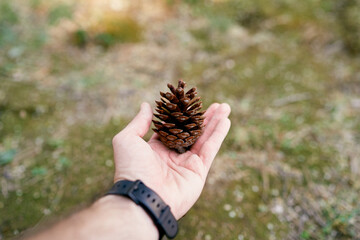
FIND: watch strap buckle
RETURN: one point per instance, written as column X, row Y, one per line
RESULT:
column 130, row 191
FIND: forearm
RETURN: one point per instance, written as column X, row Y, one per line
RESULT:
column 111, row 217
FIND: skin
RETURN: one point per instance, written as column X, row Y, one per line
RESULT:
column 178, row 178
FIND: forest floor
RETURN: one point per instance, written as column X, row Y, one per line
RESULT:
column 73, row 73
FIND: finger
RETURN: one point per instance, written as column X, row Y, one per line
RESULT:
column 210, row 112
column 141, row 123
column 221, row 112
column 210, row 148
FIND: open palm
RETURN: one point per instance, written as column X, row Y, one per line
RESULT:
column 177, row 178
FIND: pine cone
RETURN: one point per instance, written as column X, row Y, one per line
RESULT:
column 181, row 121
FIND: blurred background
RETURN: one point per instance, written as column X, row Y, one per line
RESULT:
column 74, row 72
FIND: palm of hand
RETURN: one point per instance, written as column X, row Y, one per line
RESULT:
column 177, row 178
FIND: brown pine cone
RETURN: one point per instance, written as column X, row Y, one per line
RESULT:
column 180, row 119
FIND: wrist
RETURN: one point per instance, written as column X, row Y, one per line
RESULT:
column 152, row 204
column 125, row 212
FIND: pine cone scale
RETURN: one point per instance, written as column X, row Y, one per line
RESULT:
column 176, row 131
column 162, row 133
column 183, row 135
column 169, row 125
column 176, row 114
column 189, row 126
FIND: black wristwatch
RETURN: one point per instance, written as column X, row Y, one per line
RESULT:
column 157, row 209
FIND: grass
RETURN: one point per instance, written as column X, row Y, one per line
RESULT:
column 288, row 168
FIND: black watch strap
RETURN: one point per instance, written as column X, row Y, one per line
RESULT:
column 158, row 210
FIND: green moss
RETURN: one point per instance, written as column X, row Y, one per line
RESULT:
column 112, row 28
column 233, row 211
column 55, row 185
column 59, row 12
column 8, row 14
column 117, row 29
column 80, row 38
column 348, row 15
column 8, row 19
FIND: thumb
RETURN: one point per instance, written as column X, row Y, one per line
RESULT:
column 141, row 123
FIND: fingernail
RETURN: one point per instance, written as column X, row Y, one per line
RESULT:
column 143, row 104
column 226, row 106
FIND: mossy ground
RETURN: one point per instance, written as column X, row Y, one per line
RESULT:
column 290, row 166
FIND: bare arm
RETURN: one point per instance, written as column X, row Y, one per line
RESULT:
column 111, row 217
column 177, row 178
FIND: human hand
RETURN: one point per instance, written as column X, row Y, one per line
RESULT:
column 177, row 178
